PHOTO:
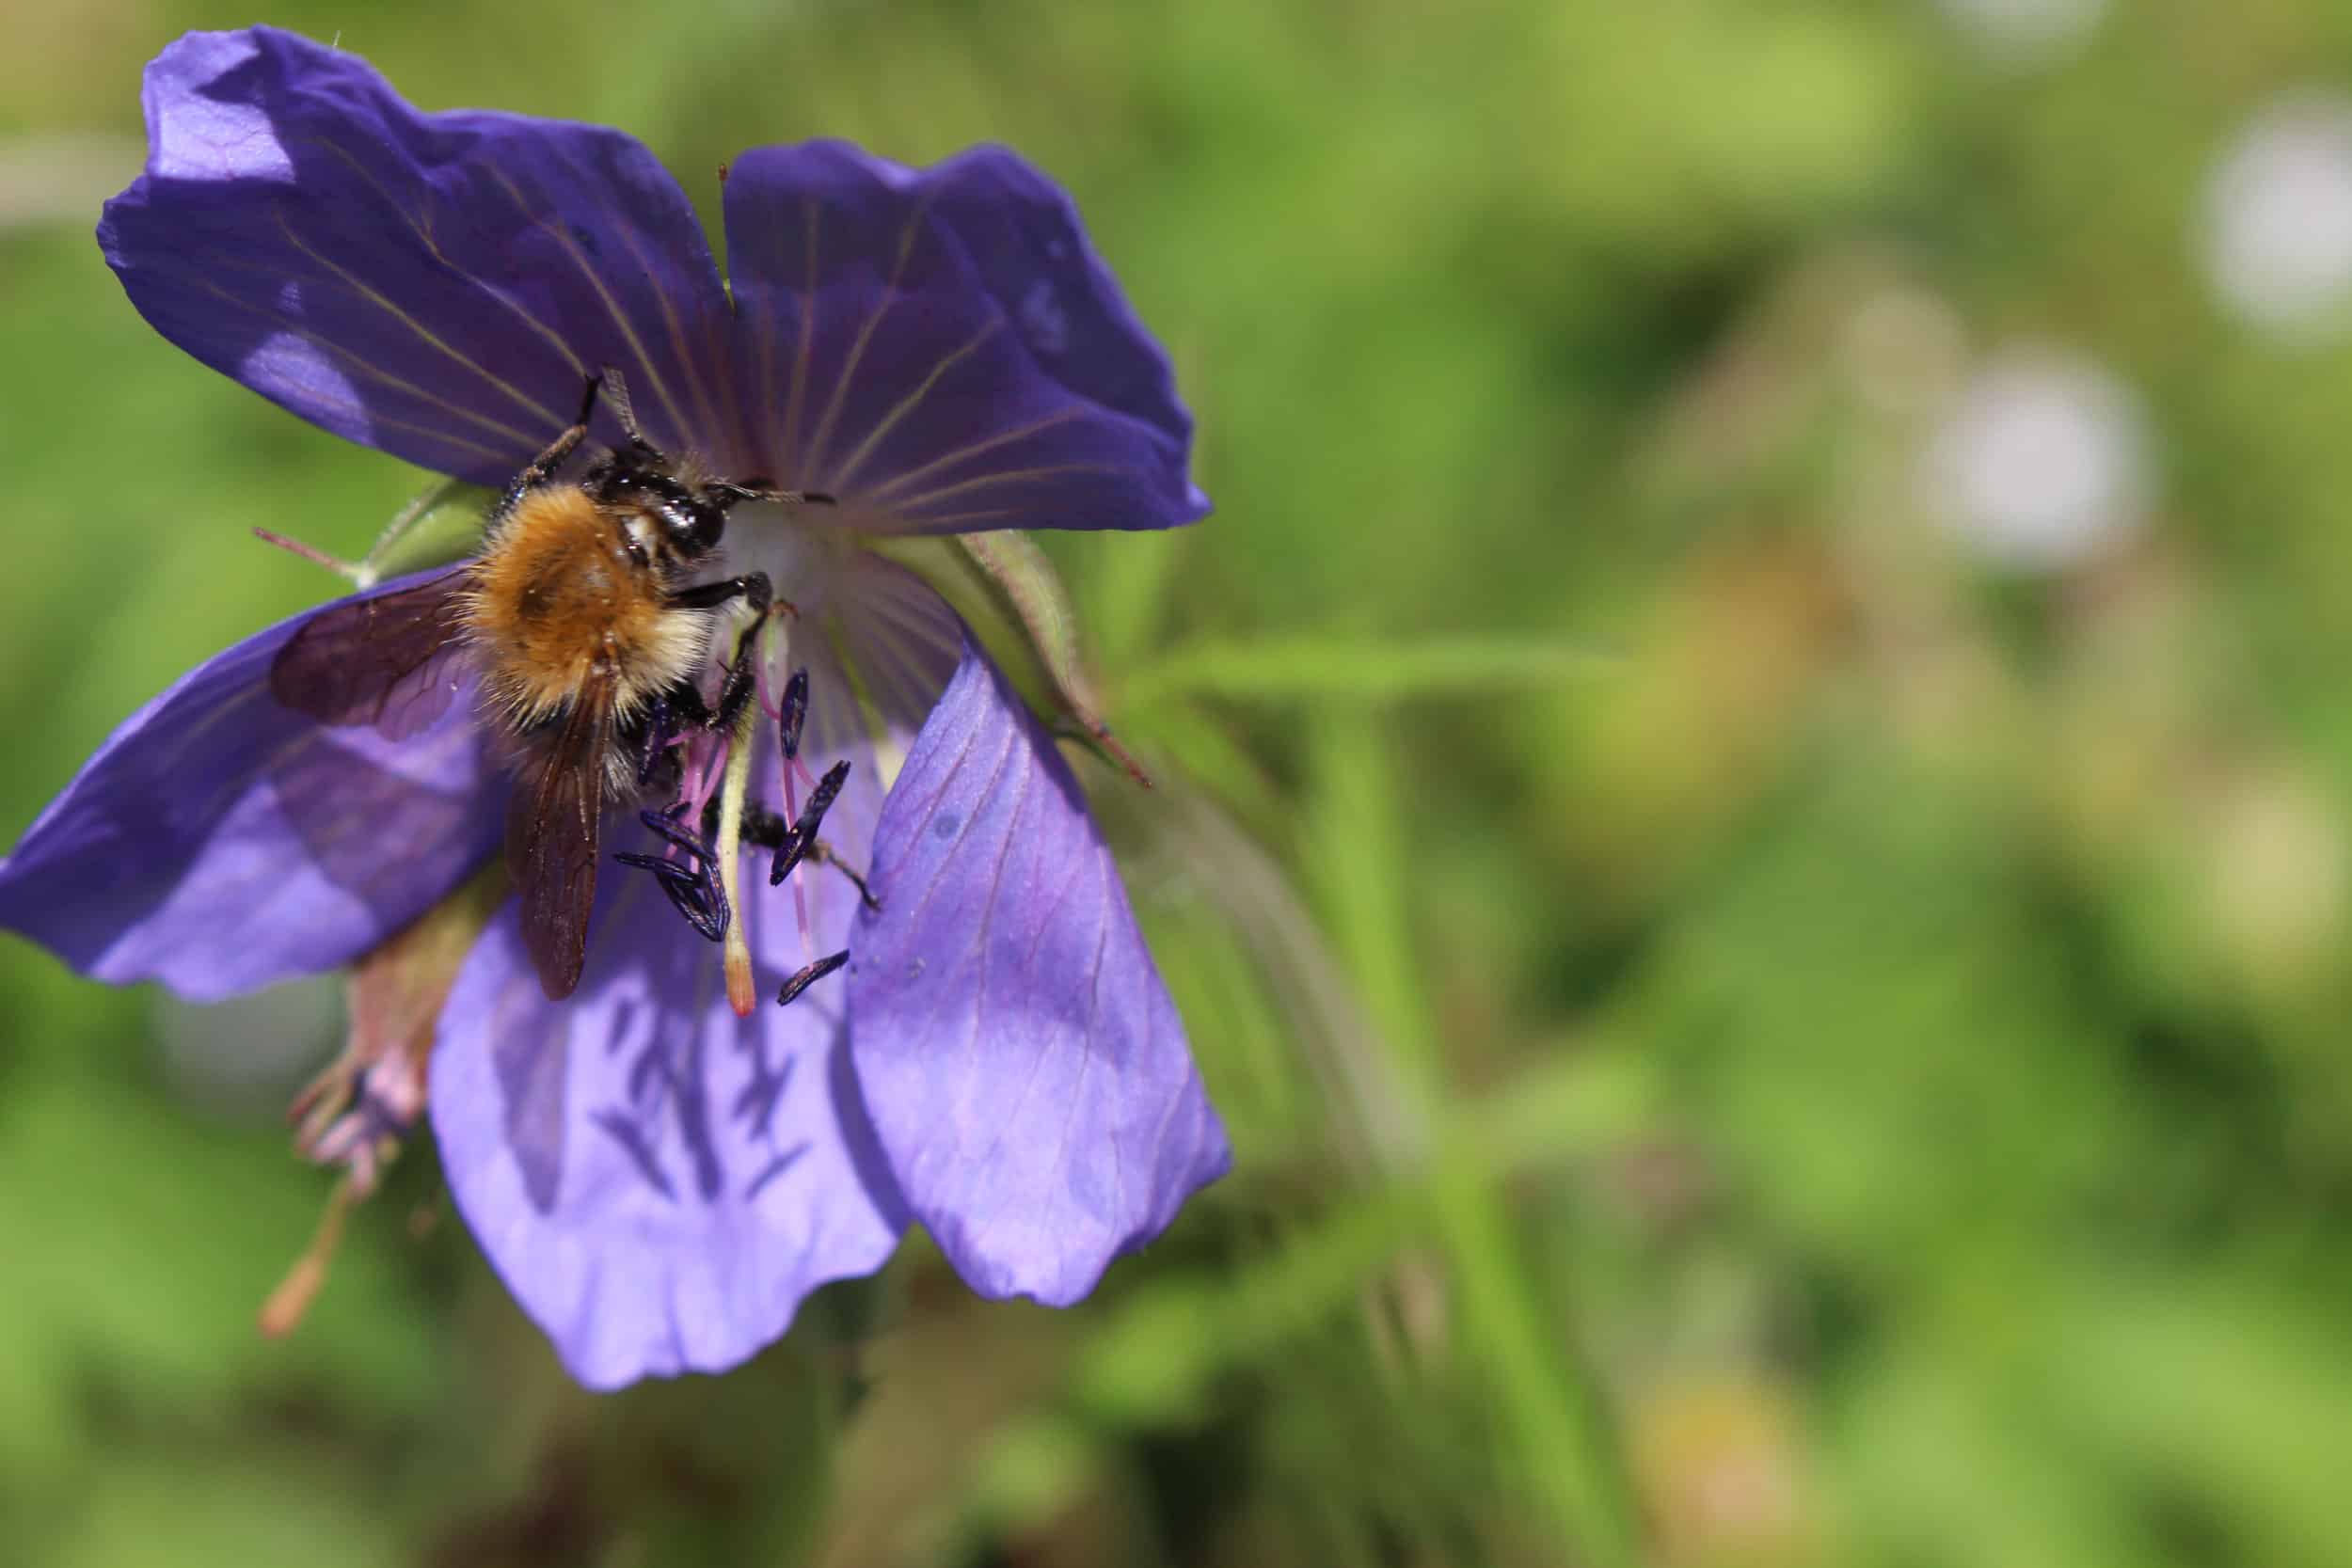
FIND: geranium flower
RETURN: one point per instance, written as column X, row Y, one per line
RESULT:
column 660, row 1180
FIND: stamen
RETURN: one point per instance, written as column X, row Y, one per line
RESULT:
column 694, row 889
column 804, row 829
column 764, row 829
column 803, row 979
column 793, row 713
column 705, row 761
column 781, row 631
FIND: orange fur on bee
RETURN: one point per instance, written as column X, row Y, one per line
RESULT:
column 555, row 594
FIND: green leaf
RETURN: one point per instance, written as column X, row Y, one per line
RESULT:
column 1548, row 1407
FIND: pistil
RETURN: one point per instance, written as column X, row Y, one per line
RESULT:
column 289, row 1303
column 732, row 791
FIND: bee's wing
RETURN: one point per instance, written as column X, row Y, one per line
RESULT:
column 380, row 661
column 551, row 822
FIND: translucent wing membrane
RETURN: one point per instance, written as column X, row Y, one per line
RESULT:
column 222, row 840
column 388, row 662
column 551, row 834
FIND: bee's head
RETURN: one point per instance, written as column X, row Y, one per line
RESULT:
column 686, row 521
column 689, row 518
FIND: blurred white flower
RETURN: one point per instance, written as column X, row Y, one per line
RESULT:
column 2043, row 459
column 2279, row 217
column 2027, row 31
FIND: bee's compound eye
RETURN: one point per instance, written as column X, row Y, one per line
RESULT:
column 691, row 529
column 708, row 526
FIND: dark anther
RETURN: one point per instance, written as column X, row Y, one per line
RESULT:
column 803, row 832
column 803, row 979
column 794, row 713
column 764, row 829
column 694, row 888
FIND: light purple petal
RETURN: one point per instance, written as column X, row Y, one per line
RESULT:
column 659, row 1181
column 944, row 350
column 219, row 842
column 1023, row 1065
column 904, row 641
column 433, row 285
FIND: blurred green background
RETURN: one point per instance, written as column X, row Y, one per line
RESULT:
column 1753, row 840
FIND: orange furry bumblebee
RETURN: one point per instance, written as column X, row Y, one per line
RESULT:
column 587, row 639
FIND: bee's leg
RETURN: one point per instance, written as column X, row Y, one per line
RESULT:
column 762, row 829
column 653, row 748
column 735, row 692
column 820, row 850
column 688, row 711
column 542, row 467
column 711, row 596
column 683, row 705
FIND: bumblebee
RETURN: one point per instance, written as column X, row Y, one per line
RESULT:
column 587, row 634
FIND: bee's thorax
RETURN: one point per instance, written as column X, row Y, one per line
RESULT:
column 567, row 589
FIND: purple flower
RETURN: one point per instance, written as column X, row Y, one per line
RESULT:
column 660, row 1180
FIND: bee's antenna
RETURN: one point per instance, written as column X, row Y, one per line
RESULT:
column 765, row 490
column 617, row 394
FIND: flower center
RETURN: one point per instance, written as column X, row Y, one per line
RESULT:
column 719, row 813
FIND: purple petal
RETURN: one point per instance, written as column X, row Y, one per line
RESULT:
column 219, row 842
column 944, row 350
column 904, row 641
column 1022, row 1061
column 433, row 285
column 660, row 1182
